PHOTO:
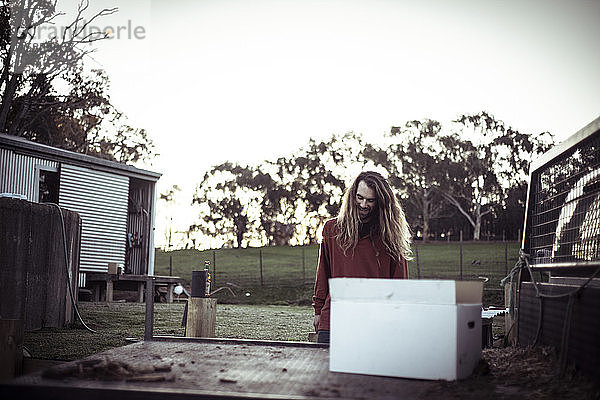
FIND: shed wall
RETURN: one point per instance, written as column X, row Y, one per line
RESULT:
column 18, row 173
column 101, row 200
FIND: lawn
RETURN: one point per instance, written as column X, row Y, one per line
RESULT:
column 114, row 322
column 288, row 271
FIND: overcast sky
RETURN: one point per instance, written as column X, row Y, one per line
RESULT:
column 252, row 80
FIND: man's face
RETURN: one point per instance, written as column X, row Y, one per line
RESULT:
column 366, row 201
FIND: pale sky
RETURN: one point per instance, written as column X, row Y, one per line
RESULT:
column 245, row 81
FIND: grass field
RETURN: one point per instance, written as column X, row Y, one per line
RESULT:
column 288, row 272
column 114, row 322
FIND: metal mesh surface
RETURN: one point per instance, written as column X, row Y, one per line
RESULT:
column 563, row 221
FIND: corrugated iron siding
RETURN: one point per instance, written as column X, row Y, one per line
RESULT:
column 18, row 173
column 100, row 198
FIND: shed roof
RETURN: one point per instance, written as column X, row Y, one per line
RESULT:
column 23, row 146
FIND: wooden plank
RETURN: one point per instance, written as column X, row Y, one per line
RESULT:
column 11, row 348
column 201, row 317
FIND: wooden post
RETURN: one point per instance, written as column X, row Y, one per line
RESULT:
column 461, row 255
column 201, row 317
column 109, row 289
column 141, row 292
column 170, row 288
column 261, row 267
column 149, row 322
column 11, row 348
column 510, row 330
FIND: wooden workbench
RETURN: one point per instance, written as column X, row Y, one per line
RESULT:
column 218, row 368
column 103, row 284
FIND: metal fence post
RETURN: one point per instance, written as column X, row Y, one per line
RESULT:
column 214, row 277
column 505, row 253
column 461, row 255
column 149, row 322
column 303, row 267
column 417, row 257
column 261, row 267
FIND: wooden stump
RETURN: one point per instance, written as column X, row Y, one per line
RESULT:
column 11, row 348
column 201, row 317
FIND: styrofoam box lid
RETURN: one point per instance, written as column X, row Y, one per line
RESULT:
column 421, row 291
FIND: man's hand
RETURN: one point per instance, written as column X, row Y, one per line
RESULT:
column 316, row 322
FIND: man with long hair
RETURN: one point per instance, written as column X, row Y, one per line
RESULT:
column 370, row 238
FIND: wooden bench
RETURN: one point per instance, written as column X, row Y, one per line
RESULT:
column 103, row 284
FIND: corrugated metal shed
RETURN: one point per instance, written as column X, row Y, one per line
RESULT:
column 100, row 198
column 115, row 201
column 20, row 173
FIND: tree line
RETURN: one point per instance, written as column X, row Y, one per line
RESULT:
column 470, row 176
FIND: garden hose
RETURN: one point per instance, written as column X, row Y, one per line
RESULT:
column 64, row 237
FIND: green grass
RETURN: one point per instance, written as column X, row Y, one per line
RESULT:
column 286, row 281
column 113, row 322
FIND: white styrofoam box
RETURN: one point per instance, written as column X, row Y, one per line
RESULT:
column 422, row 329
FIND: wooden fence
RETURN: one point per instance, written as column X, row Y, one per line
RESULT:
column 33, row 277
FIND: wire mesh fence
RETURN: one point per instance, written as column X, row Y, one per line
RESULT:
column 295, row 267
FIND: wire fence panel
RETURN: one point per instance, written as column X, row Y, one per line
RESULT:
column 289, row 271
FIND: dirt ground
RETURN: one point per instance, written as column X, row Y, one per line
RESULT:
column 521, row 373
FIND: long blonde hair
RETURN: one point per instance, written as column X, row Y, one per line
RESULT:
column 392, row 225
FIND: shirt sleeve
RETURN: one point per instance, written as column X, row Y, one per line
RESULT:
column 323, row 275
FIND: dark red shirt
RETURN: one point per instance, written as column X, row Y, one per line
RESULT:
column 368, row 260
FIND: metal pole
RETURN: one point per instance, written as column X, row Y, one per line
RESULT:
column 149, row 328
column 461, row 255
column 214, row 277
column 170, row 265
column 261, row 267
column 505, row 253
column 303, row 267
column 417, row 259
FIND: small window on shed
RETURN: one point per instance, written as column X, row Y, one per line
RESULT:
column 48, row 186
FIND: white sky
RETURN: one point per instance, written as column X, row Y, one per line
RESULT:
column 252, row 80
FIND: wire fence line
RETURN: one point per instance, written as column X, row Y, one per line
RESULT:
column 296, row 266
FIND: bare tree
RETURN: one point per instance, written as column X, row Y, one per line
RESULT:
column 45, row 95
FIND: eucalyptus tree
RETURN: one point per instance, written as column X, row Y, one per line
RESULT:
column 228, row 207
column 413, row 160
column 484, row 160
column 315, row 179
